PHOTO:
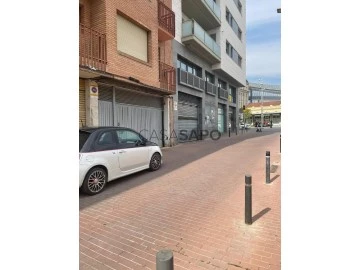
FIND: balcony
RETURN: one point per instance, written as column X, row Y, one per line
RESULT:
column 200, row 42
column 210, row 88
column 223, row 94
column 166, row 18
column 190, row 80
column 205, row 12
column 92, row 51
column 167, row 77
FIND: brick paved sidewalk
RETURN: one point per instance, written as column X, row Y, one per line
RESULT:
column 196, row 210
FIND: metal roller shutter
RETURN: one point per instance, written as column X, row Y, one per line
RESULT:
column 136, row 98
column 188, row 115
column 134, row 110
column 82, row 104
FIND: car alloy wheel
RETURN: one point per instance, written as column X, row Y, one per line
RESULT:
column 155, row 162
column 95, row 181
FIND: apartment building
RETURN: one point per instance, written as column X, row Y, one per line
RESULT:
column 126, row 71
column 209, row 56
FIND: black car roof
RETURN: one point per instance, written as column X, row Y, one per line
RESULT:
column 93, row 129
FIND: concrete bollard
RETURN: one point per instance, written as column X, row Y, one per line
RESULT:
column 164, row 260
column 267, row 167
column 248, row 200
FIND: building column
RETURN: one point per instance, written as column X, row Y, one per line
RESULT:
column 168, row 121
column 92, row 103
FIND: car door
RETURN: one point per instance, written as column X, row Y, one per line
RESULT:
column 106, row 153
column 133, row 154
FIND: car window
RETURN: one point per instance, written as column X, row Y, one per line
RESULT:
column 83, row 136
column 106, row 141
column 127, row 138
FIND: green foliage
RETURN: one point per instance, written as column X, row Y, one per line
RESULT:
column 247, row 113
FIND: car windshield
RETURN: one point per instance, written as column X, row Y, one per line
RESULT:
column 83, row 136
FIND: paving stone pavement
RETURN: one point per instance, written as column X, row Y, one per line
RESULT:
column 196, row 210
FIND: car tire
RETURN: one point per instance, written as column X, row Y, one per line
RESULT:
column 155, row 162
column 95, row 181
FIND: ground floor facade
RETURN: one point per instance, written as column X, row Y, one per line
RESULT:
column 271, row 111
column 205, row 102
column 274, row 118
column 113, row 103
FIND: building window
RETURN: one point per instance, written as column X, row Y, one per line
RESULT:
column 239, row 34
column 239, row 61
column 231, row 21
column 209, row 77
column 238, row 5
column 232, row 94
column 188, row 66
column 234, row 55
column 222, row 84
column 132, row 39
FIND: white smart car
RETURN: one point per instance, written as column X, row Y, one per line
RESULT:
column 108, row 153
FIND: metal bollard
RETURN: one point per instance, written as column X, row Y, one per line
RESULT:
column 280, row 143
column 267, row 167
column 236, row 130
column 248, row 200
column 164, row 260
column 229, row 132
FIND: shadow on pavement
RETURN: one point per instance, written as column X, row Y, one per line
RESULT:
column 260, row 214
column 274, row 178
column 174, row 158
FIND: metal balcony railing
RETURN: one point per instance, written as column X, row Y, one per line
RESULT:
column 210, row 88
column 167, row 77
column 223, row 94
column 92, row 48
column 166, row 18
column 192, row 28
column 190, row 80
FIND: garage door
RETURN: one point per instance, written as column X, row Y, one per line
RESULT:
column 82, row 106
column 134, row 110
column 188, row 116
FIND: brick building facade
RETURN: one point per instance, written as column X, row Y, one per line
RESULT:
column 126, row 76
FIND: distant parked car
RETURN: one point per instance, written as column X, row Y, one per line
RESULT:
column 108, row 153
column 244, row 125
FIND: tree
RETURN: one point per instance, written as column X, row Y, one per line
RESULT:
column 247, row 114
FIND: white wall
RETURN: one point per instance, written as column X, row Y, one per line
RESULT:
column 227, row 33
